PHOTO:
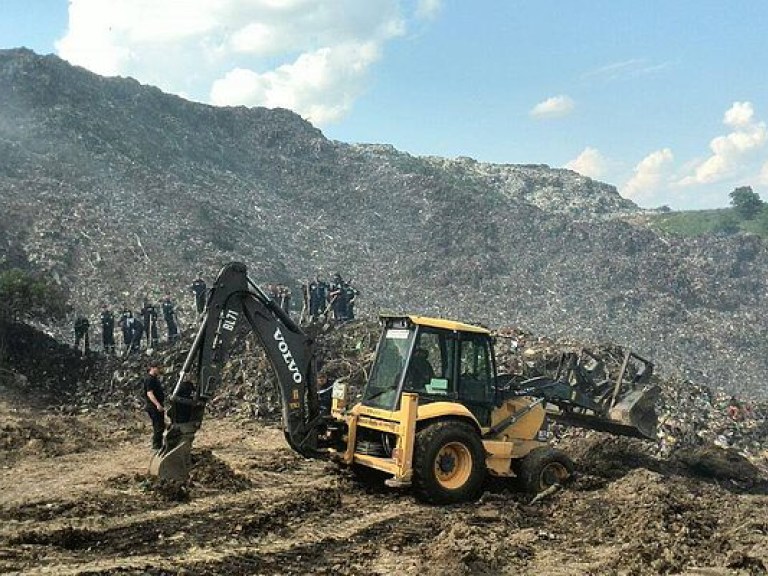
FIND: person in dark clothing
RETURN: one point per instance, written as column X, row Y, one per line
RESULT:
column 82, row 327
column 169, row 315
column 154, row 396
column 136, row 331
column 351, row 295
column 107, row 330
column 337, row 298
column 124, row 322
column 318, row 294
column 200, row 291
column 420, row 372
column 149, row 314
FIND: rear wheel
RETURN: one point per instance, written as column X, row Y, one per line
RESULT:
column 544, row 467
column 448, row 463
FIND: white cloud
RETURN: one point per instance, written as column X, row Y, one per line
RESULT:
column 733, row 151
column 428, row 9
column 323, row 84
column 739, row 115
column 312, row 56
column 625, row 69
column 554, row 107
column 650, row 177
column 589, row 163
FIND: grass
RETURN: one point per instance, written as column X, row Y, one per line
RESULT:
column 701, row 222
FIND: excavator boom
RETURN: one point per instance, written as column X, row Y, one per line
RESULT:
column 234, row 303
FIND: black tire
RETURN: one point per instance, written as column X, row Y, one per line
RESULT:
column 448, row 463
column 543, row 467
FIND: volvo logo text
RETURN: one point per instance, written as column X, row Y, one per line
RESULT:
column 282, row 345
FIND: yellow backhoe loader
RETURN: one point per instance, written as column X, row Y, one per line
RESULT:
column 434, row 414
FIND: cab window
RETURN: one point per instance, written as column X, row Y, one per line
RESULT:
column 475, row 381
column 430, row 369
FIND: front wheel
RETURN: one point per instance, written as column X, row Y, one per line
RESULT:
column 544, row 467
column 448, row 463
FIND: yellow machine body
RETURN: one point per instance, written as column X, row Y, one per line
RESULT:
column 512, row 442
column 457, row 406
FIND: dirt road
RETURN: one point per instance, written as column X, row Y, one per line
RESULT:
column 75, row 500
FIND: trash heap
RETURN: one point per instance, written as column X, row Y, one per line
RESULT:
column 690, row 414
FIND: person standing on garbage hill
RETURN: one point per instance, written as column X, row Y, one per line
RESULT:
column 314, row 303
column 337, row 298
column 124, row 322
column 317, row 293
column 200, row 290
column 154, row 397
column 82, row 327
column 107, row 330
column 169, row 315
column 136, row 331
column 351, row 295
column 149, row 314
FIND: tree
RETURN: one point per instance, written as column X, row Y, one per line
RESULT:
column 746, row 203
column 26, row 296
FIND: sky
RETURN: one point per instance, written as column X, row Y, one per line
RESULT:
column 666, row 100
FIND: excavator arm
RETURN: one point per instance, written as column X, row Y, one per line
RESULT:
column 235, row 302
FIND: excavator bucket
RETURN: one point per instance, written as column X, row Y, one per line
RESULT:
column 174, row 460
column 637, row 409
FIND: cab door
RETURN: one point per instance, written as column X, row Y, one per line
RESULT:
column 476, row 388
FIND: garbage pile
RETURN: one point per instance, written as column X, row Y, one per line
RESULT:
column 690, row 414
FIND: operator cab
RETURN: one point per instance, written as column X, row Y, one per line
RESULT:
column 437, row 359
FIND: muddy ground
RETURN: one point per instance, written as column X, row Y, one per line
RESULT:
column 76, row 500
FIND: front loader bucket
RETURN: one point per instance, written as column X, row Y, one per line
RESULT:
column 174, row 460
column 637, row 409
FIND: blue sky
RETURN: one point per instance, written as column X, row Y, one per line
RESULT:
column 665, row 100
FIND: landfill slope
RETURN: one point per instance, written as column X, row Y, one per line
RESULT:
column 120, row 192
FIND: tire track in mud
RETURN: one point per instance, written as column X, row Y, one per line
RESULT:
column 232, row 538
column 132, row 519
column 211, row 523
column 350, row 547
column 129, row 494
